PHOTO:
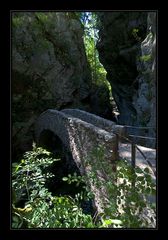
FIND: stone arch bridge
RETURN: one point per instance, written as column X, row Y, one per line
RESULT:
column 81, row 133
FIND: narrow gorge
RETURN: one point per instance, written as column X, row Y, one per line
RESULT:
column 80, row 80
column 50, row 69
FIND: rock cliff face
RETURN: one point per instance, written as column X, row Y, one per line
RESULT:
column 144, row 99
column 127, row 43
column 48, row 48
column 49, row 68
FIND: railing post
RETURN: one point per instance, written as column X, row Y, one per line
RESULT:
column 133, row 154
column 133, row 161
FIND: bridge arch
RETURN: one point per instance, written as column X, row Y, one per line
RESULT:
column 50, row 141
column 80, row 138
column 66, row 164
column 52, row 122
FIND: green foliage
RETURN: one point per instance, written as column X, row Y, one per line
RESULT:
column 43, row 210
column 58, row 212
column 104, row 221
column 29, row 174
column 74, row 178
column 134, row 187
column 128, row 191
column 146, row 58
column 135, row 32
column 89, row 20
column 90, row 38
column 43, row 17
column 16, row 21
column 111, row 222
column 126, row 203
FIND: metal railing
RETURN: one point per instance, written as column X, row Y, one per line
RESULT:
column 129, row 138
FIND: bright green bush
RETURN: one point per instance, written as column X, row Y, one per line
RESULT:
column 43, row 210
column 128, row 190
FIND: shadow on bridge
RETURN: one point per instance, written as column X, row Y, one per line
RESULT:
column 62, row 168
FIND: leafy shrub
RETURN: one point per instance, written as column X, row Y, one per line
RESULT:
column 43, row 210
column 128, row 192
column 134, row 188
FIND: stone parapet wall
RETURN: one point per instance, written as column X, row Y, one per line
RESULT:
column 82, row 139
column 100, row 122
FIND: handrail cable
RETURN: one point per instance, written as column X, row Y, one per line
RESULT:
column 152, row 138
column 154, row 172
column 138, row 127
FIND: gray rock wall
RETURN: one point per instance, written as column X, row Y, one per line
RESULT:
column 144, row 99
column 49, row 69
column 127, row 49
column 120, row 36
column 50, row 46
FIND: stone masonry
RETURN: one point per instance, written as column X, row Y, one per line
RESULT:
column 82, row 133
